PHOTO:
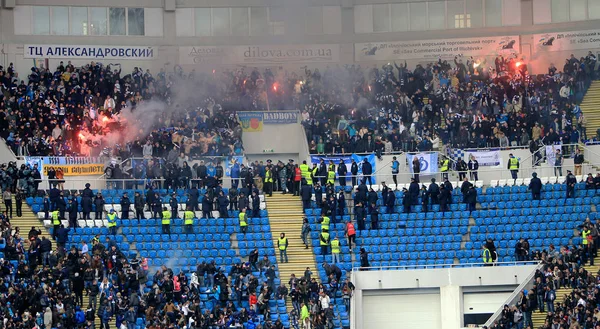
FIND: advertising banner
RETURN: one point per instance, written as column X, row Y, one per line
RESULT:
column 428, row 161
column 335, row 158
column 230, row 161
column 251, row 121
column 77, row 170
column 574, row 40
column 438, row 48
column 491, row 159
column 264, row 54
column 89, row 52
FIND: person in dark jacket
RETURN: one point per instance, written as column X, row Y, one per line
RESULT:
column 367, row 171
column 319, row 194
column 342, row 171
column 390, row 202
column 255, row 204
column 61, row 205
column 371, row 199
column 306, row 194
column 416, row 168
column 489, row 244
column 99, row 203
column 223, row 203
column 444, row 198
column 354, row 172
column 570, row 181
column 207, row 206
column 364, row 260
column 471, row 197
column 72, row 209
column 86, row 201
column 193, row 197
column 46, row 206
column 461, row 167
column 374, row 217
column 62, row 236
column 535, row 186
column 361, row 192
column 434, row 192
column 464, row 188
column 341, row 203
column 424, row 198
column 174, row 205
column 156, row 206
column 406, row 200
column 138, row 205
column 359, row 213
column 413, row 190
column 450, row 188
column 125, row 204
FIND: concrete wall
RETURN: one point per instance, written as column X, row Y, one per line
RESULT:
column 451, row 283
column 287, row 141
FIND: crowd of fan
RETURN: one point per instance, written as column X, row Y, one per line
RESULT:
column 469, row 105
column 62, row 112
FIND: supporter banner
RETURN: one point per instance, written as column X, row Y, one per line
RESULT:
column 359, row 160
column 551, row 153
column 77, row 170
column 574, row 40
column 32, row 161
column 492, row 159
column 428, row 161
column 229, row 163
column 89, row 52
column 267, row 54
column 444, row 48
column 279, row 118
column 251, row 121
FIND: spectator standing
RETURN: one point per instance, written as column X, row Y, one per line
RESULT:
column 395, row 170
column 513, row 166
column 7, row 197
column 367, row 171
column 578, row 161
column 535, row 186
column 416, row 168
column 305, row 232
column 473, row 166
column 558, row 163
column 571, row 181
column 364, row 260
column 282, row 244
column 354, row 172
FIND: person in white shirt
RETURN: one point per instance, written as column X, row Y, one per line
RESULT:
column 324, row 300
column 84, row 248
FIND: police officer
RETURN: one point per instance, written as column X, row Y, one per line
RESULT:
column 324, row 241
column 112, row 222
column 444, row 167
column 282, row 244
column 335, row 250
column 175, row 205
column 342, row 171
column 166, row 221
column 125, row 204
column 268, row 182
column 571, row 181
column 243, row 217
column 513, row 165
column 189, row 220
column 55, row 222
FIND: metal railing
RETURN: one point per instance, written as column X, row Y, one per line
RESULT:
column 513, row 298
column 445, row 266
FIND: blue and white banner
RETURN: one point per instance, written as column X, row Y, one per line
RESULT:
column 551, row 154
column 359, row 160
column 428, row 161
column 36, row 161
column 89, row 52
column 490, row 159
column 229, row 162
column 335, row 158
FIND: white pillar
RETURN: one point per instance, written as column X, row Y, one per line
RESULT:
column 452, row 307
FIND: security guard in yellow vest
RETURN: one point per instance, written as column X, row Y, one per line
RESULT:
column 282, row 244
column 324, row 241
column 166, row 221
column 243, row 217
column 325, row 223
column 335, row 250
column 584, row 234
column 55, row 222
column 444, row 168
column 487, row 256
column 112, row 222
column 188, row 216
column 331, row 166
column 513, row 165
column 305, row 171
column 96, row 240
column 268, row 182
column 331, row 177
column 314, row 173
